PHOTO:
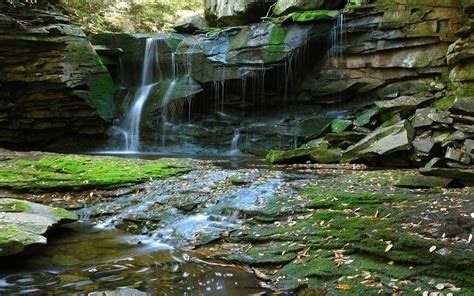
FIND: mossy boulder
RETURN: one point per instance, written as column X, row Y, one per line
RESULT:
column 23, row 225
column 316, row 154
column 235, row 12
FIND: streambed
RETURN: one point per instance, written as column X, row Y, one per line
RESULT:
column 232, row 226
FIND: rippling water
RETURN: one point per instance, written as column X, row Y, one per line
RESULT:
column 88, row 260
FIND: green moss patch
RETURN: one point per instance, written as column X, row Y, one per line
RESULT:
column 81, row 172
column 14, row 207
column 309, row 16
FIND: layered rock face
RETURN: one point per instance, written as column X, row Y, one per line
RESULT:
column 389, row 48
column 461, row 54
column 52, row 82
column 236, row 12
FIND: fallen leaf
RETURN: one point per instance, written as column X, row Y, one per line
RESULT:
column 388, row 248
column 344, row 287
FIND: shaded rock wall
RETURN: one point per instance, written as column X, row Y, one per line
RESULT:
column 52, row 82
column 390, row 48
column 461, row 54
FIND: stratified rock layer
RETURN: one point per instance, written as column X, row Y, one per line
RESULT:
column 391, row 48
column 52, row 82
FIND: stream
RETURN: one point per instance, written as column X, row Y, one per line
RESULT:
column 153, row 237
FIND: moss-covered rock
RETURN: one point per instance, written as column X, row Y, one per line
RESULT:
column 53, row 82
column 23, row 225
column 316, row 154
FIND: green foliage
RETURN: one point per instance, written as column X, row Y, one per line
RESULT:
column 130, row 16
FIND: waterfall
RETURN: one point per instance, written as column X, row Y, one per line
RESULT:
column 167, row 98
column 234, row 144
column 151, row 69
column 338, row 38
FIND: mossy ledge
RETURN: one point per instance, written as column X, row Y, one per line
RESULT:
column 71, row 172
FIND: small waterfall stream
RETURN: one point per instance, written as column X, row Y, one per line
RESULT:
column 151, row 70
column 173, row 108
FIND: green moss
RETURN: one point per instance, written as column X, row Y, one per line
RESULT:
column 81, row 172
column 366, row 117
column 102, row 96
column 64, row 214
column 444, row 104
column 309, row 16
column 339, row 125
column 14, row 207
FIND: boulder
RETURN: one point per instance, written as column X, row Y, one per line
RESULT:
column 287, row 6
column 23, row 224
column 191, row 24
column 341, row 139
column 403, row 103
column 463, row 105
column 420, row 181
column 467, row 128
column 469, row 145
column 382, row 141
column 424, row 146
column 367, row 116
column 326, row 155
column 457, row 155
column 235, row 12
column 422, row 117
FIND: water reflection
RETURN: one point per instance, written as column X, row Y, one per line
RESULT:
column 87, row 260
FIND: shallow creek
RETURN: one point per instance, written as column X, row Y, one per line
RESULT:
column 144, row 238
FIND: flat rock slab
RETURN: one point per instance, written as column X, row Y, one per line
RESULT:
column 23, row 224
column 457, row 174
column 414, row 181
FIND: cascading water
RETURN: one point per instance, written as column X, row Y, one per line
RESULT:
column 234, row 145
column 151, row 71
column 167, row 98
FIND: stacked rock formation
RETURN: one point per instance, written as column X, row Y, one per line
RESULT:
column 52, row 82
